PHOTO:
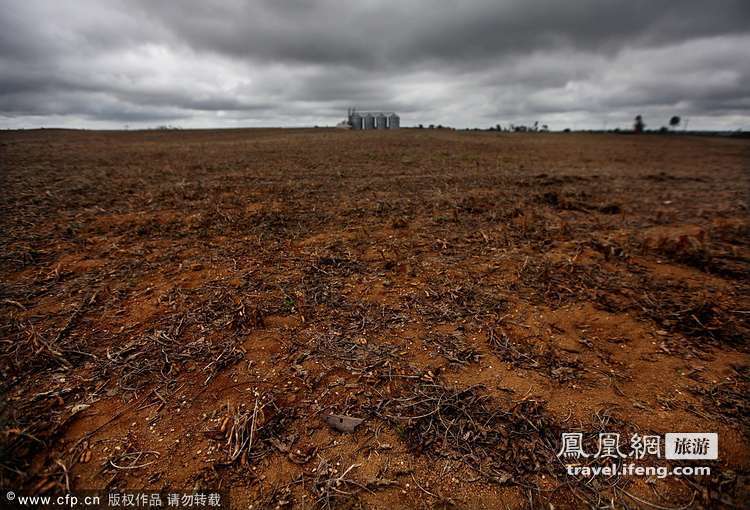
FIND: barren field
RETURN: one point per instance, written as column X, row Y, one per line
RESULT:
column 186, row 310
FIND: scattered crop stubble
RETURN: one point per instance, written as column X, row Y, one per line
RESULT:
column 184, row 309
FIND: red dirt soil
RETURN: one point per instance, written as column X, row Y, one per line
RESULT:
column 471, row 296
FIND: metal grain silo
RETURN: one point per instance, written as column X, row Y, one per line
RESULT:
column 355, row 120
column 369, row 121
column 394, row 122
column 381, row 121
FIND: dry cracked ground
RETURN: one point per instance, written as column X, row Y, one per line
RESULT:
column 184, row 309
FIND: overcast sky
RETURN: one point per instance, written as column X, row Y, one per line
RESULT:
column 197, row 63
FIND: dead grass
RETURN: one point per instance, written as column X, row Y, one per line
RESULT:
column 238, row 286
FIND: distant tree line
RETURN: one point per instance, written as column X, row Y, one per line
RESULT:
column 639, row 126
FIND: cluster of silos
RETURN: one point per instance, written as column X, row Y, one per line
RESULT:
column 373, row 120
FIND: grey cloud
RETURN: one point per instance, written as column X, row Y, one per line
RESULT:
column 283, row 63
column 397, row 33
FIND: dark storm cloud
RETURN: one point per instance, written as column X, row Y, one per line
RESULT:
column 270, row 62
column 398, row 32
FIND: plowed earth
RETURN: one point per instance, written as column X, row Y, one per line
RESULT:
column 184, row 310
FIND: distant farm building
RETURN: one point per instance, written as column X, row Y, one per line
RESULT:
column 372, row 120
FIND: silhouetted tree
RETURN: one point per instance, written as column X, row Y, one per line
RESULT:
column 675, row 121
column 639, row 125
